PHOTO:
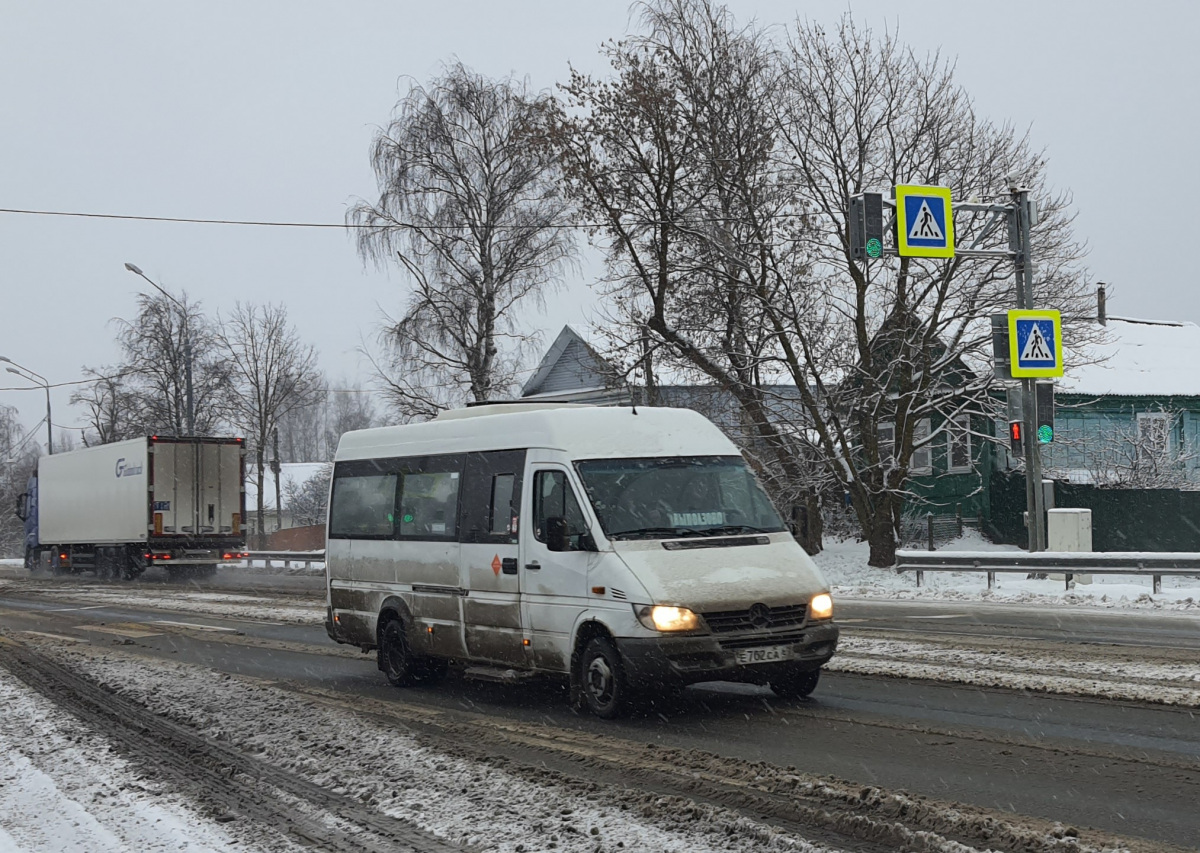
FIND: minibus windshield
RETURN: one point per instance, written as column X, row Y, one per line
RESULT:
column 666, row 497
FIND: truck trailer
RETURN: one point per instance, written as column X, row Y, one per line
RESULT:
column 119, row 508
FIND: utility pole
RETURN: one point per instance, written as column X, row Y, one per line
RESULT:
column 1035, row 497
column 276, row 467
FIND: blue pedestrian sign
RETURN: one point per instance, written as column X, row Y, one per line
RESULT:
column 1035, row 344
column 924, row 222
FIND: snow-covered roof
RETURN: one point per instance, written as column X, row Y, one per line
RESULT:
column 289, row 472
column 1139, row 358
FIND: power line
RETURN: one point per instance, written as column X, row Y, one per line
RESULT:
column 410, row 225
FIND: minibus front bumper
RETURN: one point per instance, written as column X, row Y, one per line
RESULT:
column 680, row 660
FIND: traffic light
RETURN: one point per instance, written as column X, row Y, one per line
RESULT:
column 866, row 226
column 1014, row 438
column 1044, row 394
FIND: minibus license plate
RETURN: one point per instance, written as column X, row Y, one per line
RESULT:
column 765, row 655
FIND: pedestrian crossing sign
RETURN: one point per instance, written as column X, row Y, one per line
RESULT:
column 1035, row 344
column 924, row 222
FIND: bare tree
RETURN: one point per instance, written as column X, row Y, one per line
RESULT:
column 302, row 430
column 155, row 368
column 348, row 409
column 308, row 502
column 720, row 167
column 273, row 373
column 473, row 212
column 18, row 460
column 113, row 412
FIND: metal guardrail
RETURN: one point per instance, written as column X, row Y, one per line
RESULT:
column 305, row 557
column 1067, row 563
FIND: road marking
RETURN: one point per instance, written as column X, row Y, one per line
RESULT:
column 55, row 636
column 131, row 631
column 943, row 616
column 73, row 609
column 194, row 625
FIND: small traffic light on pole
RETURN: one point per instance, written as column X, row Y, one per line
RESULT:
column 866, row 226
column 1014, row 438
column 1044, row 394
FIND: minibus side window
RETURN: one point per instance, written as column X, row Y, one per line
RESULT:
column 362, row 506
column 502, row 509
column 429, row 504
column 553, row 497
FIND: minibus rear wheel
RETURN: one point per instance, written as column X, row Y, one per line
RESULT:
column 396, row 659
column 796, row 684
column 602, row 675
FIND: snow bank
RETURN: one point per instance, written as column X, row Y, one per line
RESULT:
column 844, row 564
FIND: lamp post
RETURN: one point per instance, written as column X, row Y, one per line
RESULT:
column 187, row 345
column 37, row 379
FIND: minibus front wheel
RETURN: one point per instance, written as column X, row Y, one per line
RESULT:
column 796, row 684
column 602, row 676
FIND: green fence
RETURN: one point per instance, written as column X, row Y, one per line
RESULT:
column 1122, row 519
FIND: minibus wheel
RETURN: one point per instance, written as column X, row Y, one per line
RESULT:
column 796, row 684
column 397, row 661
column 602, row 676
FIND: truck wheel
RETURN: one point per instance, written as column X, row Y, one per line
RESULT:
column 395, row 658
column 602, row 675
column 796, row 684
column 31, row 559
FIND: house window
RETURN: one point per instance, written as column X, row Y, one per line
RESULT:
column 886, row 433
column 958, row 444
column 922, row 455
column 1154, row 436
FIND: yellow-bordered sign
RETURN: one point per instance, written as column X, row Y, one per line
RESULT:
column 1035, row 344
column 924, row 222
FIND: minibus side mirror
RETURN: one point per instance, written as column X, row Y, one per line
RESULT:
column 23, row 506
column 557, row 535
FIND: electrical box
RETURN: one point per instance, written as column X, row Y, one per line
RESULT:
column 1070, row 530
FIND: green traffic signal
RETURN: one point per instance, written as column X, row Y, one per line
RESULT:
column 1045, row 434
column 874, row 248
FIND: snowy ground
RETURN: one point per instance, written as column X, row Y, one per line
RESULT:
column 845, row 566
column 62, row 788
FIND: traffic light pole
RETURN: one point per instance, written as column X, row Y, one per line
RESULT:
column 1035, row 496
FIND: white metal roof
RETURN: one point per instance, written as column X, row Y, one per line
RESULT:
column 585, row 432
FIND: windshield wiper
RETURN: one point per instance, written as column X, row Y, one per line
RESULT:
column 646, row 532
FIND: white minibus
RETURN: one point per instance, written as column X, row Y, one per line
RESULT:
column 631, row 550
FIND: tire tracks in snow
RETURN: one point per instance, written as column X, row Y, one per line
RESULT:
column 221, row 776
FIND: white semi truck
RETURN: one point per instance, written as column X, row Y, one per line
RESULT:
column 119, row 508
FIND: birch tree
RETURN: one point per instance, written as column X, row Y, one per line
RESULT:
column 473, row 213
column 272, row 372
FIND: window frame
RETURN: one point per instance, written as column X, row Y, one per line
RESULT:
column 958, row 432
column 926, row 449
column 1143, row 436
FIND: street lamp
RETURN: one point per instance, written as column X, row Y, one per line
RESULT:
column 37, row 379
column 187, row 345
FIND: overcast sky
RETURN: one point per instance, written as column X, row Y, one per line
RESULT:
column 266, row 110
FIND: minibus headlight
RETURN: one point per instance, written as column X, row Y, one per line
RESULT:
column 821, row 606
column 661, row 618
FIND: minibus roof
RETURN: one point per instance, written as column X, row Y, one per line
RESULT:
column 583, row 432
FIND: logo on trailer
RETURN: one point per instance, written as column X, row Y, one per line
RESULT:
column 123, row 470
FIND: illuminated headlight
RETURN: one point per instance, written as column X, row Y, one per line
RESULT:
column 660, row 618
column 821, row 606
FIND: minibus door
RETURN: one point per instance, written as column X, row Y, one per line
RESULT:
column 492, row 625
column 554, row 582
